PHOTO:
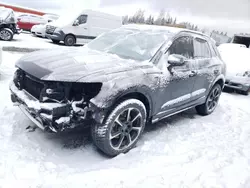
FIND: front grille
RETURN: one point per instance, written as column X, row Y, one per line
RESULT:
column 32, row 86
column 50, row 29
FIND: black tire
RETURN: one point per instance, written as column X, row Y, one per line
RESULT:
column 55, row 41
column 245, row 93
column 69, row 40
column 127, row 133
column 205, row 109
column 6, row 34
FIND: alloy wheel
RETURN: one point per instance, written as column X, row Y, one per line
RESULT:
column 126, row 129
column 213, row 99
column 5, row 35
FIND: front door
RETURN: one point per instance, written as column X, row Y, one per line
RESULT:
column 179, row 80
column 81, row 29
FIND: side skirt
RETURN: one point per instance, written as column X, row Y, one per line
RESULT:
column 164, row 114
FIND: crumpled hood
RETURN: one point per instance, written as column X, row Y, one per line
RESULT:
column 78, row 64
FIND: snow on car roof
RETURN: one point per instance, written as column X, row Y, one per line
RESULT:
column 174, row 30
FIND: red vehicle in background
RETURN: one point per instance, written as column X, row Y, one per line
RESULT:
column 27, row 21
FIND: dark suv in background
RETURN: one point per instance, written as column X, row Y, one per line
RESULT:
column 128, row 77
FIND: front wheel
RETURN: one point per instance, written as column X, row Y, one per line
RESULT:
column 69, row 40
column 121, row 129
column 211, row 102
column 6, row 34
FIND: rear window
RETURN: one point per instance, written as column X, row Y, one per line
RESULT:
column 201, row 48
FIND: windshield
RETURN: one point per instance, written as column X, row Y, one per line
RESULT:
column 130, row 44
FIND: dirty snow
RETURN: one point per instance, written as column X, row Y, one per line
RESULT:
column 186, row 150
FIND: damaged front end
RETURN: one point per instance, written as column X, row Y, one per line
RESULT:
column 55, row 106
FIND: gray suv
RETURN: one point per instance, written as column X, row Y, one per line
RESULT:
column 121, row 81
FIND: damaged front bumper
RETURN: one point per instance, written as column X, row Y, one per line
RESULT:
column 54, row 116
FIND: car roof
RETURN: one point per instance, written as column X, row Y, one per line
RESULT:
column 173, row 30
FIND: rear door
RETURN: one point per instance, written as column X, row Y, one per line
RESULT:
column 205, row 65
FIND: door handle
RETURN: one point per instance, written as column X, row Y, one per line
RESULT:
column 193, row 73
column 85, row 28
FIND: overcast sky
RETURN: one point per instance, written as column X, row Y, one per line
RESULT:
column 221, row 14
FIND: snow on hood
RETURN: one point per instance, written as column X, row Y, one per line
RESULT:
column 75, row 64
column 237, row 58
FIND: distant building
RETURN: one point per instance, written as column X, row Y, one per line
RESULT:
column 20, row 9
column 219, row 38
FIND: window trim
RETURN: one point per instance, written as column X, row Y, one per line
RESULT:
column 86, row 18
column 208, row 45
column 181, row 36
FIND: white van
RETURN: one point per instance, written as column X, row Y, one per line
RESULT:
column 80, row 28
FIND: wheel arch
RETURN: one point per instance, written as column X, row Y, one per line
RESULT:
column 140, row 95
column 136, row 95
column 220, row 82
column 68, row 35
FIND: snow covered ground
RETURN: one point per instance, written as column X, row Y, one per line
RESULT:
column 27, row 40
column 186, row 150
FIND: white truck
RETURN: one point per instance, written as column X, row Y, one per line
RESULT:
column 80, row 28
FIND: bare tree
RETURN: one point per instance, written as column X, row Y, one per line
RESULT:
column 125, row 20
column 150, row 20
column 161, row 18
column 139, row 17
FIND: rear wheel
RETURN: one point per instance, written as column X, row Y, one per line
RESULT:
column 56, row 41
column 6, row 34
column 69, row 40
column 121, row 129
column 211, row 102
column 245, row 92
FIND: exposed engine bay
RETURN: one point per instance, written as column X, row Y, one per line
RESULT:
column 56, row 105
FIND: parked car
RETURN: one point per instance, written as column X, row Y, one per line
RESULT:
column 81, row 28
column 120, row 81
column 8, row 26
column 27, row 21
column 50, row 17
column 237, row 58
column 243, row 39
column 39, row 30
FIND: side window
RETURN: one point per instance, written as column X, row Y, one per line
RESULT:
column 182, row 46
column 201, row 48
column 82, row 19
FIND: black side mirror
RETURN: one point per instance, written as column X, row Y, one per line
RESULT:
column 76, row 23
column 176, row 60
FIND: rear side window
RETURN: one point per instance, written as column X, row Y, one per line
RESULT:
column 183, row 46
column 82, row 19
column 201, row 48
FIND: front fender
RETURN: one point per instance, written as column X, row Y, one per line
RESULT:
column 112, row 91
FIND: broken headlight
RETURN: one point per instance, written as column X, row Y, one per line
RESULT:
column 54, row 92
column 63, row 92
